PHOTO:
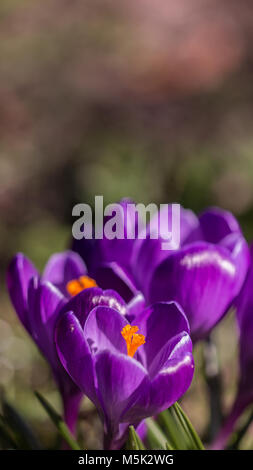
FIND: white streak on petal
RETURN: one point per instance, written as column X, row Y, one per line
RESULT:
column 207, row 257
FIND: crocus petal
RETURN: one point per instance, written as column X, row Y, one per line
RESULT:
column 102, row 330
column 71, row 404
column 240, row 254
column 146, row 260
column 120, row 250
column 89, row 251
column 159, row 324
column 44, row 304
column 90, row 298
column 99, row 251
column 202, row 278
column 172, row 382
column 135, row 306
column 188, row 222
column 62, row 268
column 19, row 274
column 119, row 379
column 142, row 430
column 217, row 223
column 38, row 304
column 182, row 341
column 166, row 387
column 148, row 253
column 113, row 276
column 116, row 250
column 75, row 355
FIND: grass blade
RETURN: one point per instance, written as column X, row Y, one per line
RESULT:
column 58, row 421
column 172, row 430
column 6, row 435
column 189, row 429
column 156, row 435
column 23, row 434
column 134, row 442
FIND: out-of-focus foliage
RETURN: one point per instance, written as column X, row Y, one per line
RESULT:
column 151, row 100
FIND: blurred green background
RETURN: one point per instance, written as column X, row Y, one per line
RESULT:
column 149, row 99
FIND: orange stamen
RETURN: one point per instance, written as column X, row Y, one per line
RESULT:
column 133, row 340
column 77, row 285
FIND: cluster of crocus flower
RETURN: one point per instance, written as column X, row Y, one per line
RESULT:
column 38, row 300
column 204, row 275
column 116, row 318
column 93, row 321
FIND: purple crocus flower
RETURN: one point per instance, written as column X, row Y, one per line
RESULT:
column 109, row 261
column 204, row 275
column 244, row 396
column 38, row 300
column 129, row 371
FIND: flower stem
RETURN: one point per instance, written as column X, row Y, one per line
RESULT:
column 222, row 438
column 214, row 385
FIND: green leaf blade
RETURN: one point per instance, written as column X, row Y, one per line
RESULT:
column 22, row 433
column 134, row 442
column 58, row 422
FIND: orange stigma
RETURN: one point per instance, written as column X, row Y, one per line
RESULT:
column 77, row 285
column 133, row 340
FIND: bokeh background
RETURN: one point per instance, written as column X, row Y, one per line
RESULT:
column 148, row 99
